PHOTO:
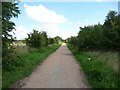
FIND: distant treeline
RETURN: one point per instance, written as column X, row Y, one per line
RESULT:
column 99, row 37
column 38, row 39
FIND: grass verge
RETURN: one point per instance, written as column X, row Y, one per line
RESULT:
column 28, row 61
column 98, row 74
column 109, row 58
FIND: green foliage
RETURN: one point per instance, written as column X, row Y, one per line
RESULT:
column 106, row 36
column 98, row 74
column 50, row 41
column 112, row 30
column 9, row 10
column 109, row 58
column 37, row 39
column 10, row 60
column 98, row 37
column 58, row 40
column 73, row 41
column 28, row 62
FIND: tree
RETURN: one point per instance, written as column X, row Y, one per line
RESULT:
column 73, row 41
column 50, row 41
column 33, row 39
column 57, row 39
column 44, row 39
column 9, row 10
column 37, row 39
column 106, row 36
column 112, row 30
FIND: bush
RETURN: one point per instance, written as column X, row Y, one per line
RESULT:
column 11, row 60
column 97, row 37
column 37, row 39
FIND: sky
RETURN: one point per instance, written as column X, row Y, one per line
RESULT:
column 60, row 18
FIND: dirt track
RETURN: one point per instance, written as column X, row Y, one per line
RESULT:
column 59, row 70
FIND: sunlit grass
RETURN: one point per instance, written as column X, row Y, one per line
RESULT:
column 109, row 58
column 29, row 61
column 98, row 73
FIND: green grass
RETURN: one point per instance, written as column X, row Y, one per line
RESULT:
column 29, row 61
column 107, row 57
column 98, row 74
column 21, row 49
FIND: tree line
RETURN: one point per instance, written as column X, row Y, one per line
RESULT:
column 99, row 37
column 38, row 39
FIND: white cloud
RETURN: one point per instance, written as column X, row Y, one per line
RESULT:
column 44, row 15
column 70, row 22
column 51, row 29
column 54, row 30
column 49, row 21
column 21, row 32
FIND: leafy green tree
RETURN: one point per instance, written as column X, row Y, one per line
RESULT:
column 112, row 30
column 106, row 36
column 96, row 37
column 37, row 39
column 9, row 10
column 50, row 41
column 73, row 41
column 57, row 39
column 44, row 39
column 33, row 39
column 100, row 37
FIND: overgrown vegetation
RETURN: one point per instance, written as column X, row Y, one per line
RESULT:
column 109, row 58
column 98, row 74
column 99, row 38
column 9, row 10
column 27, row 63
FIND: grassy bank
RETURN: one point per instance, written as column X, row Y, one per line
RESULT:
column 109, row 58
column 98, row 74
column 28, row 62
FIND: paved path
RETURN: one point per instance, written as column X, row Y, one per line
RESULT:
column 59, row 70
